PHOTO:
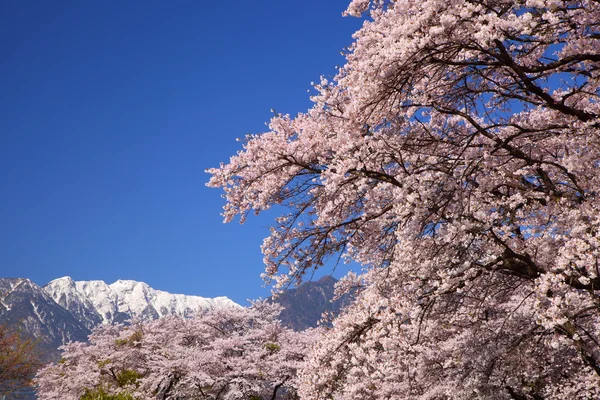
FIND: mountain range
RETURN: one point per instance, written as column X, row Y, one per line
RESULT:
column 95, row 302
column 65, row 310
column 28, row 306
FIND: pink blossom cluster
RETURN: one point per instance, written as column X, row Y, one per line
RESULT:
column 230, row 353
column 456, row 156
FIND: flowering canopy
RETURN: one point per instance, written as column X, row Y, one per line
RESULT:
column 226, row 354
column 456, row 156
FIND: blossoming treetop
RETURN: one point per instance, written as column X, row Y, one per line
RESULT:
column 456, row 155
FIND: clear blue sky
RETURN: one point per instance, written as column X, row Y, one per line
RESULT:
column 110, row 111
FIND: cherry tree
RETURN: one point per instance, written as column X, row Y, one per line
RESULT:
column 230, row 353
column 455, row 156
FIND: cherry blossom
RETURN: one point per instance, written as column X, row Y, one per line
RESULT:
column 455, row 156
column 229, row 353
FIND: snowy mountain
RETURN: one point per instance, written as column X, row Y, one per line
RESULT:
column 95, row 302
column 27, row 306
column 65, row 310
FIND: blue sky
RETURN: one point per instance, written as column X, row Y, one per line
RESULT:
column 110, row 113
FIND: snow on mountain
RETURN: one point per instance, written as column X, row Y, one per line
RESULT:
column 27, row 306
column 98, row 302
column 64, row 291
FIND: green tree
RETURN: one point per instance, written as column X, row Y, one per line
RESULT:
column 100, row 394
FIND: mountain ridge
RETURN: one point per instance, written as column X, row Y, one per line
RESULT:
column 95, row 300
column 27, row 306
column 65, row 310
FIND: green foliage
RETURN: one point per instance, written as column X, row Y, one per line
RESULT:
column 99, row 394
column 127, row 377
column 124, row 377
column 272, row 347
column 131, row 340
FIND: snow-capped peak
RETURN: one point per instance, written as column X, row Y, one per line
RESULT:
column 97, row 302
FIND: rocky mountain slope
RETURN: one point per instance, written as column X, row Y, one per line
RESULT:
column 303, row 306
column 27, row 306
